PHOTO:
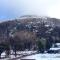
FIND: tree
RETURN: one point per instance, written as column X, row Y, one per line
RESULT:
column 4, row 47
column 41, row 43
column 23, row 40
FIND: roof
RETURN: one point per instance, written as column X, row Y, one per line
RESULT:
column 55, row 48
column 57, row 43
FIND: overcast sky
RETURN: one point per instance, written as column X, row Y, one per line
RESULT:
column 16, row 8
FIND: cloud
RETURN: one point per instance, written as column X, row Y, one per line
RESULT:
column 54, row 10
column 16, row 8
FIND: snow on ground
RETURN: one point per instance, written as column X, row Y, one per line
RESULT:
column 25, row 52
column 41, row 57
column 3, row 54
column 19, row 54
column 44, row 57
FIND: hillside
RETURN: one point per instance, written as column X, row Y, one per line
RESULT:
column 29, row 29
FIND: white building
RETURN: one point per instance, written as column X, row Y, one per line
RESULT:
column 55, row 48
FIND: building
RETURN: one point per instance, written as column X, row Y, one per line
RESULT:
column 55, row 48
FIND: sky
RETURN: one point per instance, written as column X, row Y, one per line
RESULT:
column 10, row 9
